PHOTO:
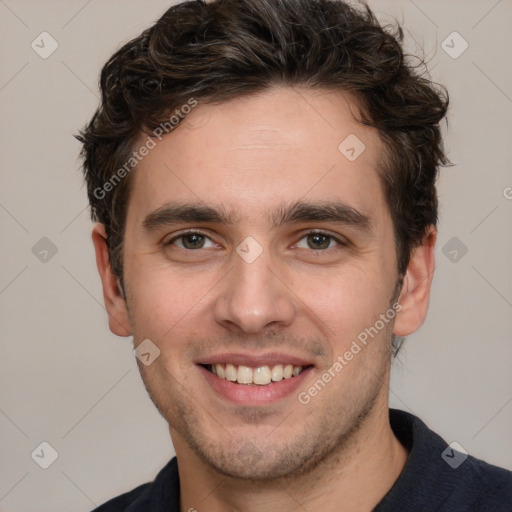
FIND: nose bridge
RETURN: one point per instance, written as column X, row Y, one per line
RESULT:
column 254, row 277
column 253, row 297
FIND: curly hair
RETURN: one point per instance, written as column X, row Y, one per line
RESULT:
column 217, row 50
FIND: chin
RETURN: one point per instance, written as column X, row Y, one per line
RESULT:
column 244, row 459
column 256, row 466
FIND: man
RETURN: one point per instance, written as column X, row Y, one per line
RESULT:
column 263, row 176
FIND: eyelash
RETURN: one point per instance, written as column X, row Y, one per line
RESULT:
column 340, row 242
column 186, row 233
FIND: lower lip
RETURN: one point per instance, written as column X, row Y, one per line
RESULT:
column 254, row 394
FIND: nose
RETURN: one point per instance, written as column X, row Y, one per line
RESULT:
column 254, row 297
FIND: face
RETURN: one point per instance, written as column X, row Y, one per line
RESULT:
column 254, row 249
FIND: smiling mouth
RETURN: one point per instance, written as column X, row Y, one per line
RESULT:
column 260, row 376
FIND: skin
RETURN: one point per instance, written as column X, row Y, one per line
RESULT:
column 252, row 156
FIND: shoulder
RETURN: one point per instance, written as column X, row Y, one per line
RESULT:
column 135, row 500
column 443, row 477
column 161, row 494
column 484, row 487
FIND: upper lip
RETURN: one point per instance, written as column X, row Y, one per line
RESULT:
column 254, row 360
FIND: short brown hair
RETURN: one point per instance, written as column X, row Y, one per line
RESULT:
column 218, row 50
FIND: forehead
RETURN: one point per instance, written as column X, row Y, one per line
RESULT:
column 252, row 153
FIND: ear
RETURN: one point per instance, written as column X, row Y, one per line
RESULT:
column 115, row 303
column 415, row 293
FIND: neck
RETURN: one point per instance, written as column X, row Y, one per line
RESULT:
column 354, row 478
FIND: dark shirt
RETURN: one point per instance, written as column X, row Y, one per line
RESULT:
column 429, row 482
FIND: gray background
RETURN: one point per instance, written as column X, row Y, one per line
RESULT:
column 65, row 379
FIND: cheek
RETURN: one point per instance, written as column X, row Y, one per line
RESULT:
column 347, row 300
column 161, row 300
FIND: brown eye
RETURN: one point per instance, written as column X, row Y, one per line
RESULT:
column 191, row 241
column 318, row 241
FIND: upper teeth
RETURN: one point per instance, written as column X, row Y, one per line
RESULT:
column 262, row 375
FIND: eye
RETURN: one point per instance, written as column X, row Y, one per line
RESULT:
column 191, row 241
column 319, row 241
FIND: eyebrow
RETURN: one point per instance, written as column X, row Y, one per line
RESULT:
column 323, row 211
column 173, row 213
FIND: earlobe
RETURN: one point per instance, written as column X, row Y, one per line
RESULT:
column 415, row 293
column 112, row 292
